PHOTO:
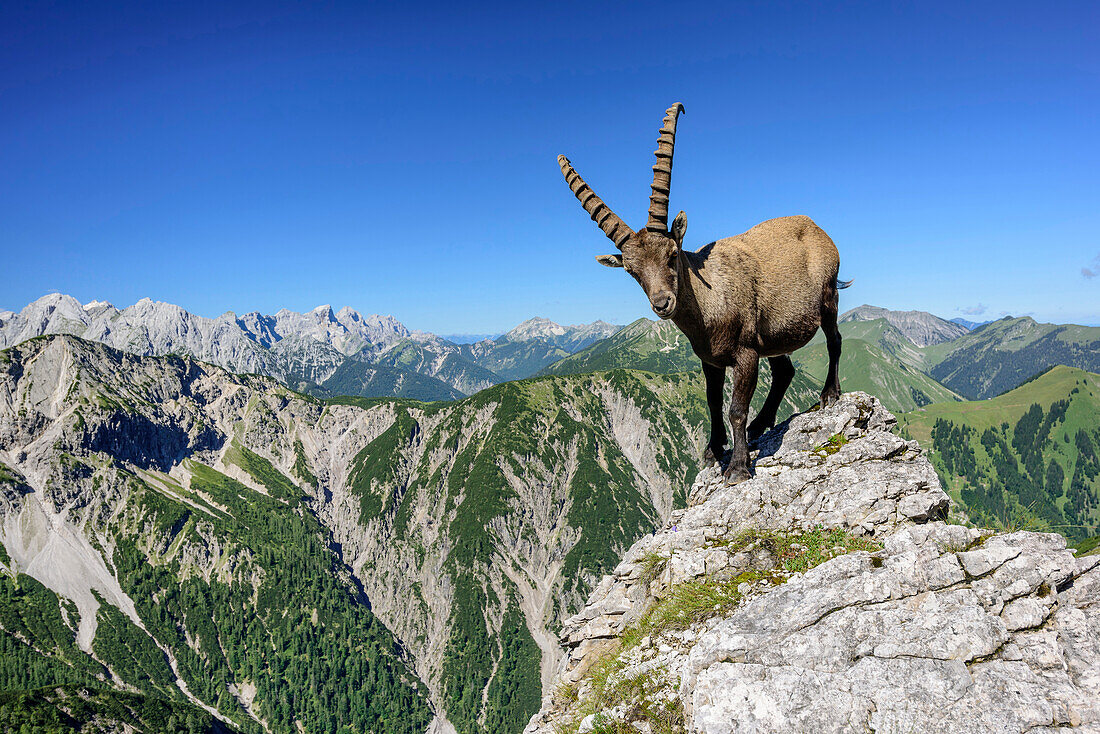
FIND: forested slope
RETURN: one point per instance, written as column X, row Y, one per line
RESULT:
column 1028, row 458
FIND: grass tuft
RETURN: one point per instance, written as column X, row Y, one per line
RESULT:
column 653, row 565
column 831, row 446
column 644, row 700
column 798, row 552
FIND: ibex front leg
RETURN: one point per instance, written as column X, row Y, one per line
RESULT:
column 716, row 383
column 745, row 365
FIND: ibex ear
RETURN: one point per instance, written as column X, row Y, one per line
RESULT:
column 679, row 228
column 611, row 261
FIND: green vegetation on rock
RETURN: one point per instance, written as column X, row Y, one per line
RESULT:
column 641, row 693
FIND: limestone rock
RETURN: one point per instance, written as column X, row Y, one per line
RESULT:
column 947, row 628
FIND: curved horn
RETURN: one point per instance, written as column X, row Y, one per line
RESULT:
column 601, row 213
column 662, row 172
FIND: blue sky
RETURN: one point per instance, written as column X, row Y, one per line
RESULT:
column 400, row 158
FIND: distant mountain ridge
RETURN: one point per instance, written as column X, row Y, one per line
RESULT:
column 877, row 358
column 989, row 360
column 571, row 338
column 322, row 352
column 911, row 357
column 919, row 327
column 967, row 323
column 1000, row 355
column 228, row 340
column 656, row 346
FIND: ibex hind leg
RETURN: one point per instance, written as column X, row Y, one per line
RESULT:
column 782, row 374
column 830, row 303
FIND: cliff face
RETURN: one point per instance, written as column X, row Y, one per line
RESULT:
column 828, row 594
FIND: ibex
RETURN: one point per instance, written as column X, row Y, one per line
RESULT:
column 763, row 293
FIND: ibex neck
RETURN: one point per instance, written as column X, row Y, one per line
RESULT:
column 689, row 314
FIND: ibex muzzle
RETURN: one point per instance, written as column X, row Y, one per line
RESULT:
column 763, row 293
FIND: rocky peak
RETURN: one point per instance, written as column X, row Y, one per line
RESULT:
column 834, row 598
column 571, row 338
column 260, row 327
column 382, row 329
column 57, row 305
column 99, row 310
column 53, row 313
column 920, row 327
column 534, row 328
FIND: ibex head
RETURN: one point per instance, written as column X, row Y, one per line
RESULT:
column 652, row 254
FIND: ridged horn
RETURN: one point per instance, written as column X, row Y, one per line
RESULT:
column 662, row 171
column 601, row 213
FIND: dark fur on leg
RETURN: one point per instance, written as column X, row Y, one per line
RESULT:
column 746, row 364
column 830, row 304
column 716, row 447
column 782, row 374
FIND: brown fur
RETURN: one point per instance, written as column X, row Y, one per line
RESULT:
column 763, row 293
column 761, row 290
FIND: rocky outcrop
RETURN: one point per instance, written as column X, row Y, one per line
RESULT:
column 909, row 625
column 923, row 636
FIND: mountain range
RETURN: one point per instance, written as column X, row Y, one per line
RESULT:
column 919, row 327
column 998, row 356
column 321, row 352
column 907, row 358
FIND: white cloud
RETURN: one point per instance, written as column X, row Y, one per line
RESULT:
column 1091, row 270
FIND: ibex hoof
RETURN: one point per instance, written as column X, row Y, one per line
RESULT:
column 828, row 397
column 736, row 475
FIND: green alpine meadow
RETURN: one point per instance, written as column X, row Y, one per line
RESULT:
column 1027, row 459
